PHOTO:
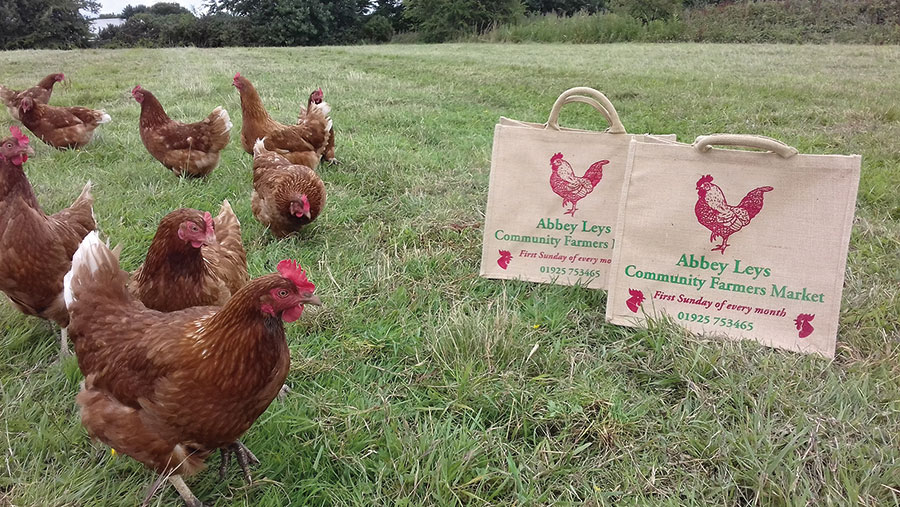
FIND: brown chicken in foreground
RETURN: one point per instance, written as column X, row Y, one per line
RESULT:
column 61, row 127
column 191, row 148
column 303, row 144
column 36, row 249
column 285, row 196
column 40, row 93
column 193, row 260
column 168, row 389
column 317, row 97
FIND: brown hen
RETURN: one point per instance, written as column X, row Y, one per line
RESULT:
column 40, row 93
column 168, row 389
column 61, row 127
column 285, row 196
column 302, row 144
column 317, row 97
column 191, row 148
column 193, row 260
column 36, row 249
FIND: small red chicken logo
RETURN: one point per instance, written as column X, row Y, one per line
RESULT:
column 719, row 217
column 570, row 187
column 635, row 301
column 803, row 325
column 504, row 259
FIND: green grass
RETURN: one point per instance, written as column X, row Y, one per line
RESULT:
column 419, row 383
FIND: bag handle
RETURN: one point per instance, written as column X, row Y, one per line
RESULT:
column 589, row 96
column 705, row 143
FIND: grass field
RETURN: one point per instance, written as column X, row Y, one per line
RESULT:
column 415, row 384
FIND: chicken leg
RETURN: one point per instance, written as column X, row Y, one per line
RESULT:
column 244, row 457
column 189, row 499
column 569, row 211
column 183, row 490
column 722, row 247
column 64, row 351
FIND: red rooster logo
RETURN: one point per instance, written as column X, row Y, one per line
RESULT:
column 719, row 217
column 635, row 301
column 504, row 259
column 570, row 187
column 803, row 325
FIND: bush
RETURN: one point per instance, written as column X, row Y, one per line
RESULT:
column 581, row 28
column 378, row 29
column 442, row 20
column 797, row 21
column 646, row 10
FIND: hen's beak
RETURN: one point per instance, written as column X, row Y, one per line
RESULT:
column 29, row 151
column 313, row 300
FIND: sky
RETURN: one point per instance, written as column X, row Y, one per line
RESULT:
column 116, row 6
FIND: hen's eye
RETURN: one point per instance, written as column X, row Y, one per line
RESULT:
column 282, row 293
column 195, row 228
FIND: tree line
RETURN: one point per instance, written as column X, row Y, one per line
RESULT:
column 65, row 24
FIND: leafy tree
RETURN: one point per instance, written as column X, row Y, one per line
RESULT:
column 298, row 22
column 564, row 7
column 393, row 10
column 647, row 10
column 167, row 8
column 130, row 10
column 151, row 30
column 378, row 29
column 58, row 24
column 441, row 20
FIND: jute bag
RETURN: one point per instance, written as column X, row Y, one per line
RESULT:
column 744, row 244
column 553, row 197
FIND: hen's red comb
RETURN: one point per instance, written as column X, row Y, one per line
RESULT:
column 636, row 293
column 292, row 271
column 207, row 218
column 237, row 75
column 705, row 179
column 22, row 138
column 556, row 157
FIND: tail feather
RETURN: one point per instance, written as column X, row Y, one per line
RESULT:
column 228, row 258
column 226, row 214
column 259, row 148
column 7, row 95
column 94, row 266
column 221, row 114
column 85, row 195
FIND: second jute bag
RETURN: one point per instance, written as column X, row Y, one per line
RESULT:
column 743, row 244
column 553, row 197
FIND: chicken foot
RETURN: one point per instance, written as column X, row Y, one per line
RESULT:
column 243, row 456
column 722, row 247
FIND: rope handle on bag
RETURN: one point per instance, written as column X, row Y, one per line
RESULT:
column 705, row 143
column 589, row 96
